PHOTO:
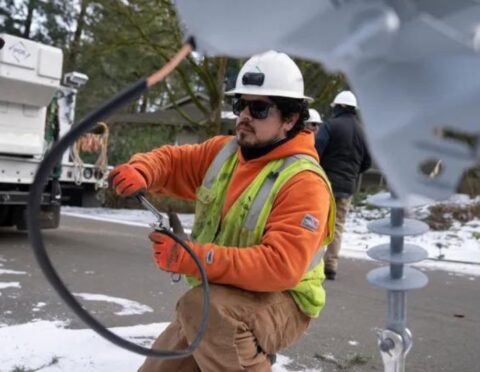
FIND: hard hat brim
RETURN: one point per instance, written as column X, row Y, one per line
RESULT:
column 333, row 104
column 267, row 92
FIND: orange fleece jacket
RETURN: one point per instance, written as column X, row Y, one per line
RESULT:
column 287, row 248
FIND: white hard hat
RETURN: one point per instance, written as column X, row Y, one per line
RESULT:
column 314, row 116
column 270, row 74
column 345, row 98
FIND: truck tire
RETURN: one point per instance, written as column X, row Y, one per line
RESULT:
column 6, row 215
column 91, row 198
column 49, row 217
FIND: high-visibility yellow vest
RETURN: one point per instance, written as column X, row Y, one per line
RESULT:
column 245, row 221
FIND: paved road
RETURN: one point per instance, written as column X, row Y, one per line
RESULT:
column 115, row 260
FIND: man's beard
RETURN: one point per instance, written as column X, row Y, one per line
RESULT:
column 244, row 139
column 242, row 135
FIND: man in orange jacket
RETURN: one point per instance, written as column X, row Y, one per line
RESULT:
column 265, row 275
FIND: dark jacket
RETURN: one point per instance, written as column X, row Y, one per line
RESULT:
column 343, row 151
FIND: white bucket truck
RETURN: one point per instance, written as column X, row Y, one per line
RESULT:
column 30, row 77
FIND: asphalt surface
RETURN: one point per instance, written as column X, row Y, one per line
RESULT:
column 115, row 260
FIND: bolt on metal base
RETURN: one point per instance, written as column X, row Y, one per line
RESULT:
column 394, row 349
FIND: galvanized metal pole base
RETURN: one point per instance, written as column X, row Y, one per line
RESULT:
column 395, row 341
column 394, row 349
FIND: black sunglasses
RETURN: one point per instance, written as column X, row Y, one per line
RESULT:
column 258, row 109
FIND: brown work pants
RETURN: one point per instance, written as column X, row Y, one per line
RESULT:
column 243, row 327
column 333, row 249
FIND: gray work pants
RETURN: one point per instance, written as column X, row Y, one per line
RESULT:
column 333, row 249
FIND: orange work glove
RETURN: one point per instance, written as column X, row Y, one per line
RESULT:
column 171, row 256
column 127, row 180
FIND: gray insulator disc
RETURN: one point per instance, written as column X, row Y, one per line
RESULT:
column 411, row 253
column 412, row 279
column 410, row 227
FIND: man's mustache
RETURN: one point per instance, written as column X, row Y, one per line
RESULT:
column 244, row 123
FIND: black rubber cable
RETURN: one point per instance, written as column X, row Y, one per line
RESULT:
column 36, row 239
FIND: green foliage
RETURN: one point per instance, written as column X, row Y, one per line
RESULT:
column 126, row 140
column 443, row 215
column 117, row 42
column 10, row 18
column 469, row 139
column 321, row 85
column 49, row 22
column 359, row 199
column 470, row 182
column 124, row 41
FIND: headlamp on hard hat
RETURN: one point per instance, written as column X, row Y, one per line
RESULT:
column 253, row 78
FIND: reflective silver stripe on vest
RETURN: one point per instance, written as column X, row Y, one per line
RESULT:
column 228, row 150
column 317, row 258
column 257, row 205
column 266, row 188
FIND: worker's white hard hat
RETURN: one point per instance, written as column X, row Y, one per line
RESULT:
column 345, row 98
column 270, row 74
column 314, row 116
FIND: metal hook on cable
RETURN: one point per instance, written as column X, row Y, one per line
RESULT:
column 158, row 226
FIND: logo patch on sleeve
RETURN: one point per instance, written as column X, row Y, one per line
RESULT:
column 310, row 222
column 209, row 257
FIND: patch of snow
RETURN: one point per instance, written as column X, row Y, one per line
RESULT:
column 24, row 346
column 282, row 362
column 39, row 306
column 129, row 307
column 80, row 350
column 9, row 285
column 455, row 250
column 12, row 272
column 329, row 357
column 134, row 217
column 125, row 216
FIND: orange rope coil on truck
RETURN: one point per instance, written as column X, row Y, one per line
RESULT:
column 91, row 143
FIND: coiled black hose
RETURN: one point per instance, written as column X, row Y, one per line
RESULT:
column 41, row 178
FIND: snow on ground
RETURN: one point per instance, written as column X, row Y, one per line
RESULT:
column 4, row 285
column 128, row 307
column 24, row 346
column 51, row 347
column 9, row 285
column 12, row 272
column 456, row 250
